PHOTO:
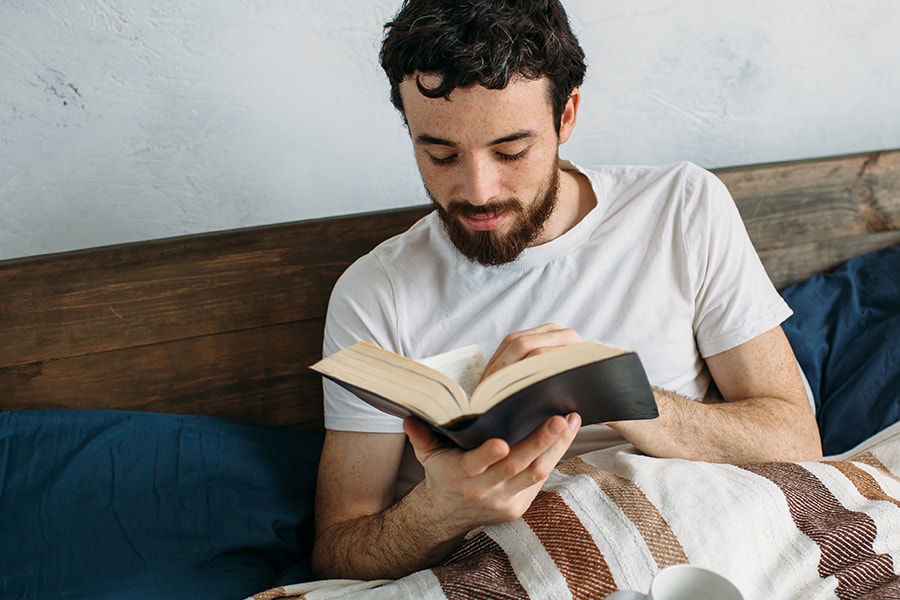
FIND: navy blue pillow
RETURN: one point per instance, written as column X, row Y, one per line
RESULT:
column 125, row 505
column 846, row 334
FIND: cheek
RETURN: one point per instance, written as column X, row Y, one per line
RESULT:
column 530, row 174
column 444, row 182
column 435, row 179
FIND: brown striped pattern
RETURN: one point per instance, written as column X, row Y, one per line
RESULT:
column 844, row 508
column 869, row 488
column 273, row 594
column 571, row 546
column 479, row 569
column 867, row 458
column 866, row 484
column 662, row 542
column 845, row 538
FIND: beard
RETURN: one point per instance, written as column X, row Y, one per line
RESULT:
column 493, row 248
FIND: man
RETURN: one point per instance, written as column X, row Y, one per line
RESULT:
column 525, row 253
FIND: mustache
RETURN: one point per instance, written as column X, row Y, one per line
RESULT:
column 461, row 208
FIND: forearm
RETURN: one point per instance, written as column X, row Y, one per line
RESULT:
column 747, row 430
column 387, row 545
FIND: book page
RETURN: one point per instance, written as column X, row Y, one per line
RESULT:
column 464, row 365
column 397, row 379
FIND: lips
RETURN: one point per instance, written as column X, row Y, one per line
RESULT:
column 485, row 217
column 485, row 221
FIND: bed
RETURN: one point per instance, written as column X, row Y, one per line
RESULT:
column 159, row 429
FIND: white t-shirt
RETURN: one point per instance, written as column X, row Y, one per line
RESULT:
column 662, row 265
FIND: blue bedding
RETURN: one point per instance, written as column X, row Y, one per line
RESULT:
column 846, row 334
column 109, row 504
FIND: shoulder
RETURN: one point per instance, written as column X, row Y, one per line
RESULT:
column 637, row 172
column 683, row 186
column 380, row 262
column 367, row 297
column 672, row 192
column 418, row 237
column 669, row 181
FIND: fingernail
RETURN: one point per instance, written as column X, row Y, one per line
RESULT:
column 574, row 421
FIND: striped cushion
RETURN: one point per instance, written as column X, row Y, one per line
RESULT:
column 612, row 519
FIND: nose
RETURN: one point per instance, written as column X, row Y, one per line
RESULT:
column 481, row 181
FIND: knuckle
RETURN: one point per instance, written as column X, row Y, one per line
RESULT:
column 521, row 345
column 513, row 336
column 507, row 470
column 540, row 469
column 537, row 474
column 467, row 470
column 475, row 495
column 495, row 506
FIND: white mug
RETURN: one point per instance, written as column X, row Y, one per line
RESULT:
column 684, row 582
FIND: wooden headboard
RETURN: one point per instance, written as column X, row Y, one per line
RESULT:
column 808, row 216
column 226, row 323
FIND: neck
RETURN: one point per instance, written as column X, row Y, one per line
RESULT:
column 576, row 199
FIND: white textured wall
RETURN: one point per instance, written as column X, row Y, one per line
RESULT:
column 124, row 120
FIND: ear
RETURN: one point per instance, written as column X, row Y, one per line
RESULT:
column 569, row 116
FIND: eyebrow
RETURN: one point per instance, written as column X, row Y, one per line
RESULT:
column 430, row 140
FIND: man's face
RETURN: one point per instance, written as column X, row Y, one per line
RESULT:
column 489, row 162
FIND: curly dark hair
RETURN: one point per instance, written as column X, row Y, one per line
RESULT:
column 485, row 42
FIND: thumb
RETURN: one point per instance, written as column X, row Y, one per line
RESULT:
column 423, row 439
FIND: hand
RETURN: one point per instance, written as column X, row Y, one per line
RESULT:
column 530, row 342
column 492, row 483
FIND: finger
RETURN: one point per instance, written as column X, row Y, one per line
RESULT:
column 537, row 472
column 530, row 342
column 472, row 463
column 543, row 350
column 556, row 431
column 516, row 337
column 555, row 435
column 423, row 440
column 478, row 460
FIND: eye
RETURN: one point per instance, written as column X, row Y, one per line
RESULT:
column 442, row 161
column 512, row 157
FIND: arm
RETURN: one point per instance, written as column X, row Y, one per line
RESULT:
column 765, row 415
column 360, row 534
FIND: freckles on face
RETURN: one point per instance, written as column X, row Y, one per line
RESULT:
column 481, row 145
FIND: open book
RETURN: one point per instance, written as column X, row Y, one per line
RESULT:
column 596, row 380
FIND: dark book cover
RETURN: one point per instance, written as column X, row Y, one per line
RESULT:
column 613, row 389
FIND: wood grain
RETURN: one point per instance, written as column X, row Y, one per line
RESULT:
column 257, row 375
column 226, row 323
column 145, row 293
column 805, row 217
column 221, row 324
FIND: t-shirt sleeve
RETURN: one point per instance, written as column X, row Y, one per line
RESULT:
column 361, row 307
column 735, row 299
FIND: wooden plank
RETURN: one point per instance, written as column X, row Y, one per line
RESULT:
column 790, row 265
column 803, row 202
column 97, row 300
column 805, row 217
column 257, row 375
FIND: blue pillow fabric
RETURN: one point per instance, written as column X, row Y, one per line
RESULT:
column 111, row 504
column 846, row 333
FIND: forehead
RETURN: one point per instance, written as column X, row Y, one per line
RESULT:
column 477, row 113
